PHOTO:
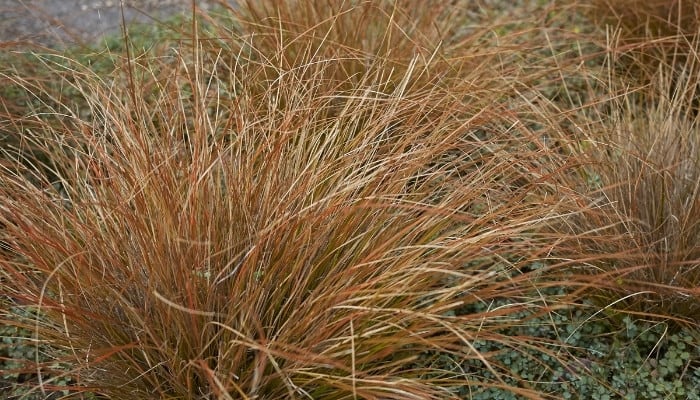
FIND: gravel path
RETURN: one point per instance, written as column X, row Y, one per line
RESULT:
column 60, row 22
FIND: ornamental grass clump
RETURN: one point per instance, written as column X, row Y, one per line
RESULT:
column 640, row 19
column 647, row 35
column 273, row 222
column 643, row 171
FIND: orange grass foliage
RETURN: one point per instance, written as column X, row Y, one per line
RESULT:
column 292, row 210
column 638, row 140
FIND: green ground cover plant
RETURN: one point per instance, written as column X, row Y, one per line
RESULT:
column 353, row 200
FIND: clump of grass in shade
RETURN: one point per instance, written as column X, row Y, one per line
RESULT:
column 642, row 169
column 645, row 36
column 306, row 216
column 640, row 19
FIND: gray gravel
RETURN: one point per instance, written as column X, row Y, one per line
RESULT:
column 59, row 22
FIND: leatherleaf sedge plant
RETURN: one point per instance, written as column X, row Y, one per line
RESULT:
column 244, row 219
column 639, row 144
column 647, row 35
column 642, row 20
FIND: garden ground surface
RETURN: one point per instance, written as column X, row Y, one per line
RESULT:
column 40, row 21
